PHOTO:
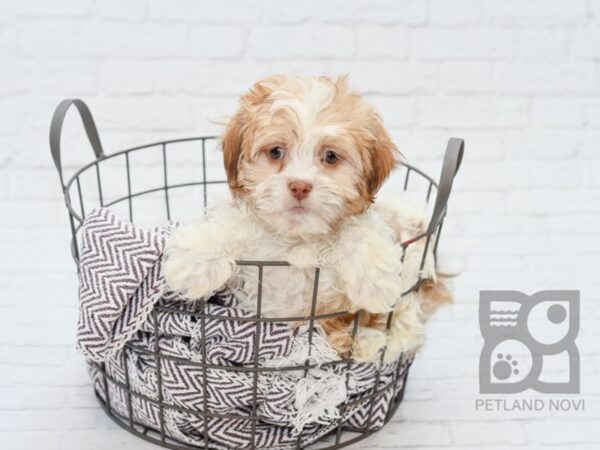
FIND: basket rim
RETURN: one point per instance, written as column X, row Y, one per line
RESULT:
column 67, row 198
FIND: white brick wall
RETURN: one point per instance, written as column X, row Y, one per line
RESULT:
column 519, row 80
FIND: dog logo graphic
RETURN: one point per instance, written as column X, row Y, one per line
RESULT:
column 529, row 341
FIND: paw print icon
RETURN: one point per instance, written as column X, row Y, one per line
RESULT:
column 529, row 342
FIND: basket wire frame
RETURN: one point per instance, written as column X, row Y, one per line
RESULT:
column 342, row 435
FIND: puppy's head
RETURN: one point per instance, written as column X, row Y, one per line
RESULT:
column 306, row 153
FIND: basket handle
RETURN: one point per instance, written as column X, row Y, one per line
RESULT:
column 452, row 159
column 56, row 125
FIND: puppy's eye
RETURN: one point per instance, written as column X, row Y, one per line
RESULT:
column 276, row 153
column 330, row 157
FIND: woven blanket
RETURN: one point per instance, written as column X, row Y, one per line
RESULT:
column 224, row 379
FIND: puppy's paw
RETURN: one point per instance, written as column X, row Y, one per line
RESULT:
column 375, row 291
column 365, row 346
column 200, row 279
column 191, row 268
column 368, row 344
column 370, row 268
column 196, row 279
column 407, row 332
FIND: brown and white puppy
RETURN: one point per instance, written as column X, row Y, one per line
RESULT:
column 305, row 157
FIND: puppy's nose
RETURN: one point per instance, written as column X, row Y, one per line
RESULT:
column 300, row 189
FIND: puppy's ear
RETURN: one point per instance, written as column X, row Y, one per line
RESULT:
column 231, row 142
column 239, row 126
column 384, row 157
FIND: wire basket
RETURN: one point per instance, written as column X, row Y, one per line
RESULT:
column 184, row 183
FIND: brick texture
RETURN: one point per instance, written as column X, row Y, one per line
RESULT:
column 520, row 81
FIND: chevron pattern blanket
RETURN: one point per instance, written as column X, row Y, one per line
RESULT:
column 211, row 382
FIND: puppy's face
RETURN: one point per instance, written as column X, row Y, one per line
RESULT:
column 306, row 153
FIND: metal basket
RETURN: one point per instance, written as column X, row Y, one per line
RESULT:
column 78, row 200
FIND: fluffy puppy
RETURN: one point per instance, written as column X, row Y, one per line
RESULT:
column 305, row 158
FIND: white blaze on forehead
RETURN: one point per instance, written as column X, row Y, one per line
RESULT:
column 303, row 104
column 301, row 165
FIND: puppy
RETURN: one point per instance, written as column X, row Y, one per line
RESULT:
column 305, row 158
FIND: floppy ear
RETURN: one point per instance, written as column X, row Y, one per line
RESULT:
column 231, row 142
column 384, row 157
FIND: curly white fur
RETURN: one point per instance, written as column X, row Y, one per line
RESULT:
column 362, row 261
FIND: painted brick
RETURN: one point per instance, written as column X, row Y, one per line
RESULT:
column 518, row 80
column 302, row 41
column 458, row 13
column 215, row 41
column 125, row 40
column 466, row 77
column 539, row 12
column 382, row 42
column 452, row 44
column 546, row 78
column 41, row 9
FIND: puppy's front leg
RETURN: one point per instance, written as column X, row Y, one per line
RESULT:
column 369, row 267
column 199, row 259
